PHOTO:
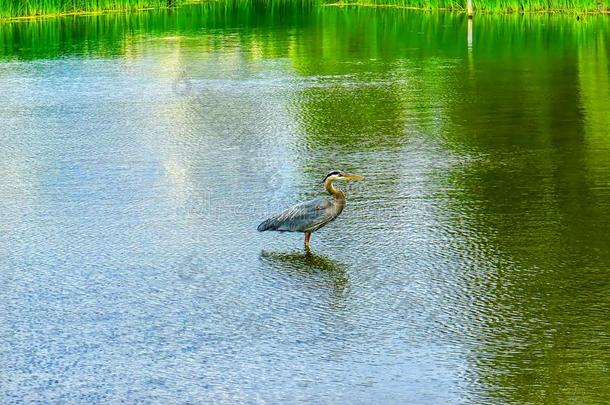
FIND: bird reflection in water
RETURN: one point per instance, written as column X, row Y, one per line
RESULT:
column 318, row 270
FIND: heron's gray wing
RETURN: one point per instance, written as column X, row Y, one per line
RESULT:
column 301, row 217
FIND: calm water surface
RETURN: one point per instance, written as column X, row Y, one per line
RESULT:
column 140, row 152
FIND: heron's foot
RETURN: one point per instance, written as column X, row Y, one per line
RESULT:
column 307, row 238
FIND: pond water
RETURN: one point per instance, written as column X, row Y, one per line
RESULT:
column 140, row 152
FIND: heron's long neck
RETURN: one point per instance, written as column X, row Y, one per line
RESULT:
column 335, row 192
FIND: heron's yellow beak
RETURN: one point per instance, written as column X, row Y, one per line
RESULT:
column 348, row 176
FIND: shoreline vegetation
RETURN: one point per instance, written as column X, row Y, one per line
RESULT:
column 30, row 9
column 485, row 7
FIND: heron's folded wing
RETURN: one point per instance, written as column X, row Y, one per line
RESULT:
column 300, row 217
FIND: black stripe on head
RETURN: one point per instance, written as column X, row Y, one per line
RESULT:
column 331, row 174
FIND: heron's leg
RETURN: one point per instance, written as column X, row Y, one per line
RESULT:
column 307, row 237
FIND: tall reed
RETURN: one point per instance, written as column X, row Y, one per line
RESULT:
column 482, row 6
column 18, row 8
column 499, row 6
column 21, row 8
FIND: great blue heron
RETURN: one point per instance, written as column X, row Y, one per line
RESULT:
column 312, row 215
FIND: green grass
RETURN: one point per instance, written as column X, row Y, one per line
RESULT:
column 496, row 6
column 480, row 6
column 26, row 8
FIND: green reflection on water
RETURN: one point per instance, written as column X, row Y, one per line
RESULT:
column 528, row 104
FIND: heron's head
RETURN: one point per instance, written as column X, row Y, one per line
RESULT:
column 341, row 176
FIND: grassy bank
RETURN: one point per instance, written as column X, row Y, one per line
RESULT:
column 498, row 6
column 28, row 8
column 31, row 8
